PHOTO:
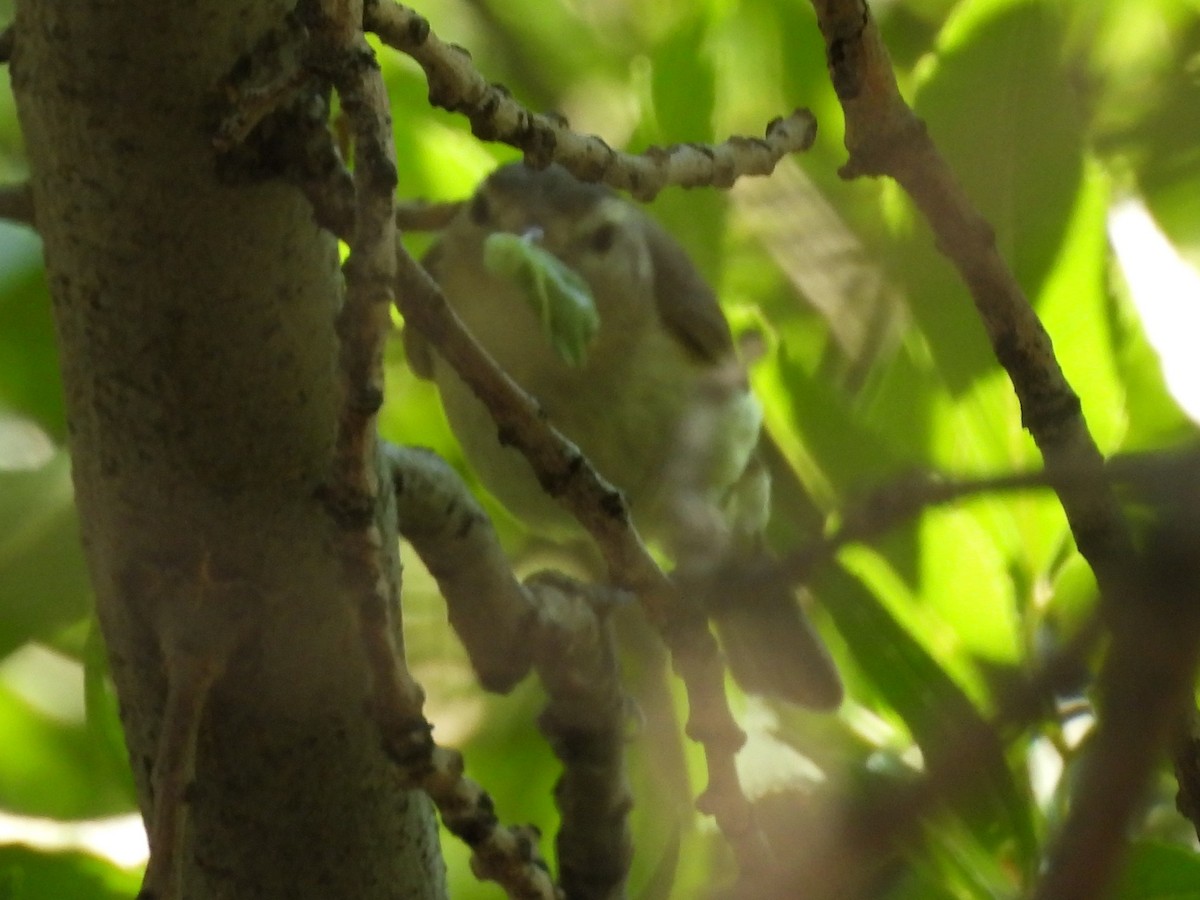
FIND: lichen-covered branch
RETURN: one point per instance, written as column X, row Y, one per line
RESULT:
column 489, row 609
column 584, row 723
column 552, row 622
column 456, row 85
column 506, row 855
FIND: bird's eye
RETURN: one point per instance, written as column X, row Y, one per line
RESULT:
column 480, row 210
column 601, row 240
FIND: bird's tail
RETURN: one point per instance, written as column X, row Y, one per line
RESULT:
column 771, row 646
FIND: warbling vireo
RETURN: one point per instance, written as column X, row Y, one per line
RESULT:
column 621, row 394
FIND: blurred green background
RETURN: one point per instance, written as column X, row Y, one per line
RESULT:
column 1073, row 125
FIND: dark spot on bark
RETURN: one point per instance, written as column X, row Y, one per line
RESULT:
column 418, row 31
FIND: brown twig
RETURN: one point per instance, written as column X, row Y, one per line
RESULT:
column 210, row 623
column 566, row 475
column 327, row 44
column 339, row 53
column 900, row 500
column 506, row 855
column 884, row 137
column 421, row 216
column 457, row 86
column 584, row 722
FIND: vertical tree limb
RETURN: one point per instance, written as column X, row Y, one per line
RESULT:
column 195, row 327
column 1151, row 663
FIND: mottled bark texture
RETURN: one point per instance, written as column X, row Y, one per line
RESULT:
column 195, row 322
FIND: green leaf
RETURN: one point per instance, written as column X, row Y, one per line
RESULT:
column 43, row 579
column 558, row 295
column 1160, row 872
column 53, row 768
column 28, row 874
column 849, row 452
column 683, row 84
column 984, row 618
column 29, row 379
column 937, row 711
column 1075, row 306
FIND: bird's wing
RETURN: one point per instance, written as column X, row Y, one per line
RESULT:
column 687, row 306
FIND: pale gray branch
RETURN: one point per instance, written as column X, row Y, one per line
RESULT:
column 456, row 85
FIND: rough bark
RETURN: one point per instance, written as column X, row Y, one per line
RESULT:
column 195, row 323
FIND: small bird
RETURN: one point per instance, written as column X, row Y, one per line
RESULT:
column 660, row 350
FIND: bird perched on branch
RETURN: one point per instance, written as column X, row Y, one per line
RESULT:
column 601, row 316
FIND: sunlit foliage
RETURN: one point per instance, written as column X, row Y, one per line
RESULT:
column 1062, row 118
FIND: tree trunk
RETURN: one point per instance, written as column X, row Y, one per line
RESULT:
column 195, row 324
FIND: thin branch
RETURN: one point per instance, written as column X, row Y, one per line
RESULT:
column 584, row 723
column 457, row 86
column 552, row 621
column 566, row 475
column 506, row 855
column 904, row 498
column 1143, row 682
column 190, row 677
column 885, row 137
column 852, row 848
column 421, row 216
column 363, row 323
column 211, row 621
column 330, row 46
column 490, row 611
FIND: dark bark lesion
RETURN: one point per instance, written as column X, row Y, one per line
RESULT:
column 16, row 204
